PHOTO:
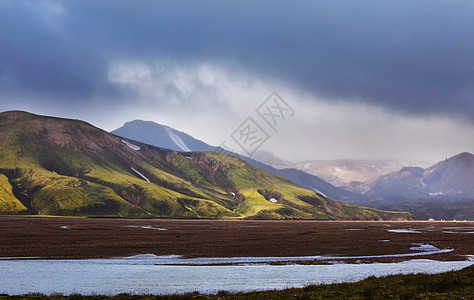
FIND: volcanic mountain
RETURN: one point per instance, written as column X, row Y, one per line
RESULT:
column 54, row 166
column 166, row 137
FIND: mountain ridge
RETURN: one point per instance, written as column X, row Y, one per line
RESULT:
column 56, row 166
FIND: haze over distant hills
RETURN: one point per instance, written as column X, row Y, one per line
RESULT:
column 54, row 166
column 453, row 177
column 342, row 172
column 442, row 191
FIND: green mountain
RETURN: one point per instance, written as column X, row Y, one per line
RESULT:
column 54, row 166
column 166, row 137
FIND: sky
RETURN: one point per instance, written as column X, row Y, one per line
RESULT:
column 357, row 79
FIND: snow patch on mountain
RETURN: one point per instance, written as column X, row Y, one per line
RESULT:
column 423, row 184
column 140, row 174
column 133, row 146
column 319, row 192
column 177, row 140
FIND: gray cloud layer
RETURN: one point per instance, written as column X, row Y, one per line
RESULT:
column 414, row 57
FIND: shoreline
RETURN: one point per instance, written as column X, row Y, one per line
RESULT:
column 366, row 279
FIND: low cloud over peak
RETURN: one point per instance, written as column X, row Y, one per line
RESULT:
column 412, row 59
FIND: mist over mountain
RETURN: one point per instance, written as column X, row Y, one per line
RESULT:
column 453, row 177
column 53, row 166
column 442, row 191
column 342, row 172
column 271, row 159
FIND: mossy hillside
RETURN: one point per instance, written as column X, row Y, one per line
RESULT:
column 115, row 171
column 160, row 196
column 154, row 199
column 63, row 195
column 187, row 168
column 8, row 202
column 184, row 185
column 121, row 191
column 248, row 180
column 243, row 174
column 53, row 194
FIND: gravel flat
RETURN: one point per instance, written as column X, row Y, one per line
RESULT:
column 80, row 238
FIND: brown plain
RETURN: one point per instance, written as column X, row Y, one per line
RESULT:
column 77, row 238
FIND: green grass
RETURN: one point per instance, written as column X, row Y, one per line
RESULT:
column 449, row 285
column 8, row 202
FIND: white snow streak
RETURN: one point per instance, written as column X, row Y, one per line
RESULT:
column 177, row 140
column 319, row 192
column 141, row 175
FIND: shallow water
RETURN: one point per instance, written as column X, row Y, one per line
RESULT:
column 420, row 249
column 145, row 227
column 403, row 230
column 149, row 274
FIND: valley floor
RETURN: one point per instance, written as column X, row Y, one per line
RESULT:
column 78, row 238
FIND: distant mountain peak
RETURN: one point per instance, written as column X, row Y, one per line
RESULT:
column 451, row 178
column 462, row 156
column 160, row 135
column 144, row 122
column 412, row 170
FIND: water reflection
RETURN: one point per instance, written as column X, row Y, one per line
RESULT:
column 149, row 274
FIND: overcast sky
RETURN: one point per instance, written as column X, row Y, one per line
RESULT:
column 365, row 79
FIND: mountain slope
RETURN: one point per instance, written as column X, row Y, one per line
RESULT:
column 68, row 167
column 157, row 135
column 453, row 177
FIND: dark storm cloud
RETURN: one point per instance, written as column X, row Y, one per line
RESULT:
column 411, row 56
